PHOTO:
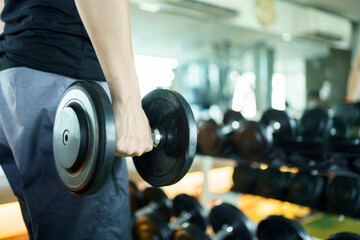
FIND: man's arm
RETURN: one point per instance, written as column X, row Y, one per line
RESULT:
column 108, row 24
column 353, row 86
column 2, row 24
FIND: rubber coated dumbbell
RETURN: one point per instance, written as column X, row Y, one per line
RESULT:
column 216, row 140
column 344, row 236
column 244, row 179
column 255, row 140
column 155, row 200
column 189, row 231
column 84, row 138
column 186, row 208
column 280, row 228
column 227, row 221
column 342, row 195
column 316, row 123
column 305, row 188
column 349, row 112
column 270, row 183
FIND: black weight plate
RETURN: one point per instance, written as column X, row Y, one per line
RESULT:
column 286, row 127
column 166, row 164
column 278, row 227
column 185, row 203
column 342, row 195
column 252, row 140
column 244, row 179
column 227, row 214
column 305, row 188
column 231, row 116
column 152, row 227
column 190, row 232
column 315, row 123
column 339, row 129
column 84, row 138
column 344, row 236
column 209, row 139
column 349, row 112
column 156, row 195
column 270, row 183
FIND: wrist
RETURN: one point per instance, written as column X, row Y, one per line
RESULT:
column 125, row 91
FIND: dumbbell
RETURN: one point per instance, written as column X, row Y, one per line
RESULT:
column 270, row 183
column 316, row 123
column 244, row 179
column 189, row 231
column 84, row 138
column 227, row 221
column 349, row 112
column 186, row 208
column 344, row 236
column 255, row 140
column 305, row 188
column 279, row 228
column 155, row 200
column 342, row 195
column 215, row 140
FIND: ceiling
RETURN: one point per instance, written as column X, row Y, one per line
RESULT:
column 170, row 35
column 347, row 8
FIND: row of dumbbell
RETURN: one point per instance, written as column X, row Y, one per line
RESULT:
column 249, row 139
column 334, row 194
column 152, row 221
column 257, row 140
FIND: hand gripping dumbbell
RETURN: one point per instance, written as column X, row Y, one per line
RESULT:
column 228, row 223
column 215, row 140
column 186, row 208
column 305, row 189
column 344, row 236
column 279, row 228
column 84, row 138
column 256, row 140
column 316, row 123
column 155, row 200
column 342, row 195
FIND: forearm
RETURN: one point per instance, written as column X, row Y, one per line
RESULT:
column 353, row 86
column 108, row 24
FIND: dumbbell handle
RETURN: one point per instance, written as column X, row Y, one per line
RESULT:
column 151, row 207
column 223, row 233
column 156, row 137
column 230, row 127
column 274, row 126
column 184, row 216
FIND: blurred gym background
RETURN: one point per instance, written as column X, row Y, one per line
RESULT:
column 247, row 56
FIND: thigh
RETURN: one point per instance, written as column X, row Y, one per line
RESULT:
column 54, row 212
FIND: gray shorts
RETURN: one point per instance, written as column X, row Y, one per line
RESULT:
column 28, row 101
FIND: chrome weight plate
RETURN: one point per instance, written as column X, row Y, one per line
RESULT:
column 167, row 163
column 84, row 138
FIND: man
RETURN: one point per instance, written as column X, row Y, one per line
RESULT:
column 44, row 49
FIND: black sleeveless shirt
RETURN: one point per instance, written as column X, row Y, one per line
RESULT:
column 47, row 35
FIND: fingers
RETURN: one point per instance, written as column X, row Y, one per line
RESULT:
column 133, row 149
column 133, row 137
